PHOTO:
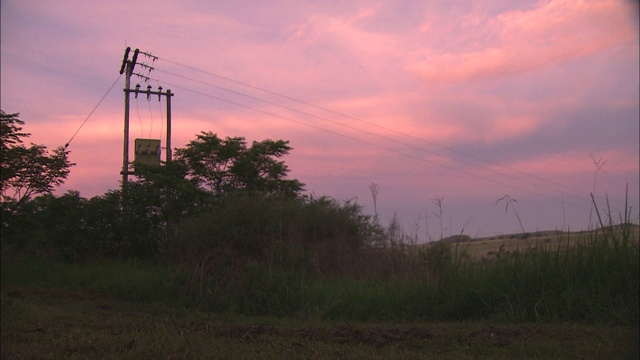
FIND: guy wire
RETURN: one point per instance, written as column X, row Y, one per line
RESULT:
column 91, row 113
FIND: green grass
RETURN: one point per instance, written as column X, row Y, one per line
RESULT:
column 131, row 281
column 595, row 281
column 555, row 302
column 48, row 323
column 567, row 298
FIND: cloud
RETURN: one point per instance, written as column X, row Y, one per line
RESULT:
column 527, row 40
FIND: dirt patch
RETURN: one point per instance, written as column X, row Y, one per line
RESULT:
column 377, row 336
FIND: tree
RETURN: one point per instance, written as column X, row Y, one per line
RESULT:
column 161, row 197
column 227, row 165
column 26, row 171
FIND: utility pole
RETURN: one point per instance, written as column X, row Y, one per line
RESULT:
column 127, row 68
column 168, row 95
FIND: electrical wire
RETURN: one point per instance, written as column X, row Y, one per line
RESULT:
column 151, row 114
column 515, row 177
column 373, row 144
column 92, row 111
column 139, row 118
column 539, row 178
column 554, row 186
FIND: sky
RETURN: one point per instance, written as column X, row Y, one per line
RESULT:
column 474, row 117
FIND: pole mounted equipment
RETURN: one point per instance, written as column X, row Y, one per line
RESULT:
column 124, row 61
column 134, row 60
column 127, row 68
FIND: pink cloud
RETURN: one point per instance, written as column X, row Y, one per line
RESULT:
column 555, row 31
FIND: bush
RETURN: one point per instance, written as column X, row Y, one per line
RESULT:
column 290, row 240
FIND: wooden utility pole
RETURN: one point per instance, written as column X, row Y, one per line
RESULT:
column 125, row 160
column 127, row 68
column 168, row 95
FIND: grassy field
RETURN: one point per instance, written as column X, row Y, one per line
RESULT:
column 49, row 323
column 491, row 247
column 142, row 310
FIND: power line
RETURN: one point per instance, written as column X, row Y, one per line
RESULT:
column 139, row 118
column 539, row 181
column 391, row 139
column 151, row 115
column 582, row 192
column 370, row 143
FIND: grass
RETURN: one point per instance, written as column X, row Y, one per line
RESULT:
column 48, row 323
column 578, row 301
column 590, row 282
column 564, row 296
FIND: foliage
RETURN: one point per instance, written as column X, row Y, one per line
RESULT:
column 253, row 246
column 227, row 165
column 159, row 199
column 69, row 226
column 26, row 171
column 129, row 309
column 594, row 282
column 134, row 221
column 79, row 229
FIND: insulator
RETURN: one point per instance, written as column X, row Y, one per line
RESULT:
column 124, row 61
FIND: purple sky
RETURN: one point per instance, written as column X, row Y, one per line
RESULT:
column 464, row 101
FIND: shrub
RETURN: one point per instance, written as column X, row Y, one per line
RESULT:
column 291, row 240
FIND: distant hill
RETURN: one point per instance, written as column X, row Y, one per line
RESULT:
column 457, row 239
column 489, row 247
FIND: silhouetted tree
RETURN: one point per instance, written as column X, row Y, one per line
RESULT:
column 26, row 171
column 228, row 165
